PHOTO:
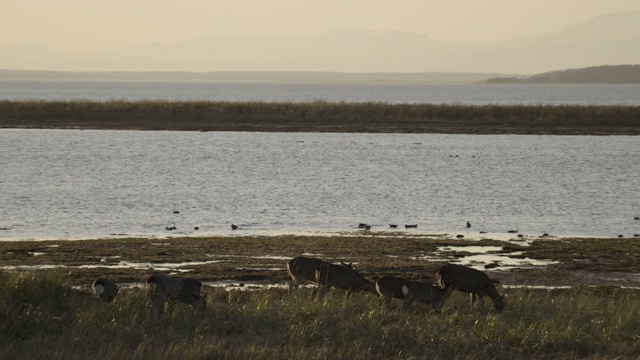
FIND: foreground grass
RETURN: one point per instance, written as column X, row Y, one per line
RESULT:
column 43, row 317
column 321, row 116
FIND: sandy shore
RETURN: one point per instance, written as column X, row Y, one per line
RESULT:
column 261, row 259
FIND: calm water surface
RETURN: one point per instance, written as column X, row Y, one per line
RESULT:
column 87, row 184
column 463, row 93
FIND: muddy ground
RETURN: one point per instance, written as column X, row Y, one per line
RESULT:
column 261, row 259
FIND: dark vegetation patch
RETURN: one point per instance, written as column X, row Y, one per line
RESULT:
column 321, row 116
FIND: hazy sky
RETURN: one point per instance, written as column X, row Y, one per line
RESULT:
column 90, row 25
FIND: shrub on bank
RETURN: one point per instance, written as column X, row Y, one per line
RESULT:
column 317, row 116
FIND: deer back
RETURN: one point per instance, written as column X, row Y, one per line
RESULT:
column 343, row 277
column 104, row 289
column 391, row 286
column 303, row 268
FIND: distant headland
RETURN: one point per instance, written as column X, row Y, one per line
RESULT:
column 606, row 74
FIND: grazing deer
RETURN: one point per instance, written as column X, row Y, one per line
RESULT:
column 342, row 277
column 425, row 293
column 302, row 269
column 390, row 287
column 472, row 281
column 164, row 288
column 104, row 289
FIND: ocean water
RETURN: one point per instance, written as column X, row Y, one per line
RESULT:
column 73, row 184
column 438, row 93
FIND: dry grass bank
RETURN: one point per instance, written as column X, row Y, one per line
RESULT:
column 322, row 116
column 44, row 314
column 42, row 317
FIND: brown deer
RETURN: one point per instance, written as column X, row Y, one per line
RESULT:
column 343, row 277
column 472, row 281
column 164, row 288
column 425, row 293
column 104, row 289
column 390, row 287
column 302, row 269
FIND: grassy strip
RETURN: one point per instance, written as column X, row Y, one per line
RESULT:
column 321, row 116
column 43, row 317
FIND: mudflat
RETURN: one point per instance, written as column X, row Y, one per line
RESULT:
column 532, row 261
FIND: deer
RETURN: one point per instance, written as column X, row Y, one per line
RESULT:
column 390, row 287
column 164, row 288
column 105, row 289
column 302, row 269
column 341, row 276
column 426, row 293
column 472, row 281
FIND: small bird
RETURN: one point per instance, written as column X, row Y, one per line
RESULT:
column 411, row 226
column 362, row 225
column 468, row 224
column 367, row 227
column 234, row 227
column 176, row 212
column 196, row 228
column 393, row 226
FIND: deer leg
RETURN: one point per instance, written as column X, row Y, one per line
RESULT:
column 315, row 291
column 158, row 304
column 202, row 303
column 323, row 290
column 407, row 303
column 293, row 285
column 388, row 301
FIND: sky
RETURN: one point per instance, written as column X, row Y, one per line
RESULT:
column 104, row 25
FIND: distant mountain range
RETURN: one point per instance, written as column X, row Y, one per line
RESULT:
column 606, row 39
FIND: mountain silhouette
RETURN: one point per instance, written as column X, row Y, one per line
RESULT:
column 606, row 39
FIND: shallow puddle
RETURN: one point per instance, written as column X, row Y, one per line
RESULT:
column 176, row 267
column 491, row 257
column 155, row 266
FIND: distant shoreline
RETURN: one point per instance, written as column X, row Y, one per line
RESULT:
column 249, row 76
column 322, row 116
